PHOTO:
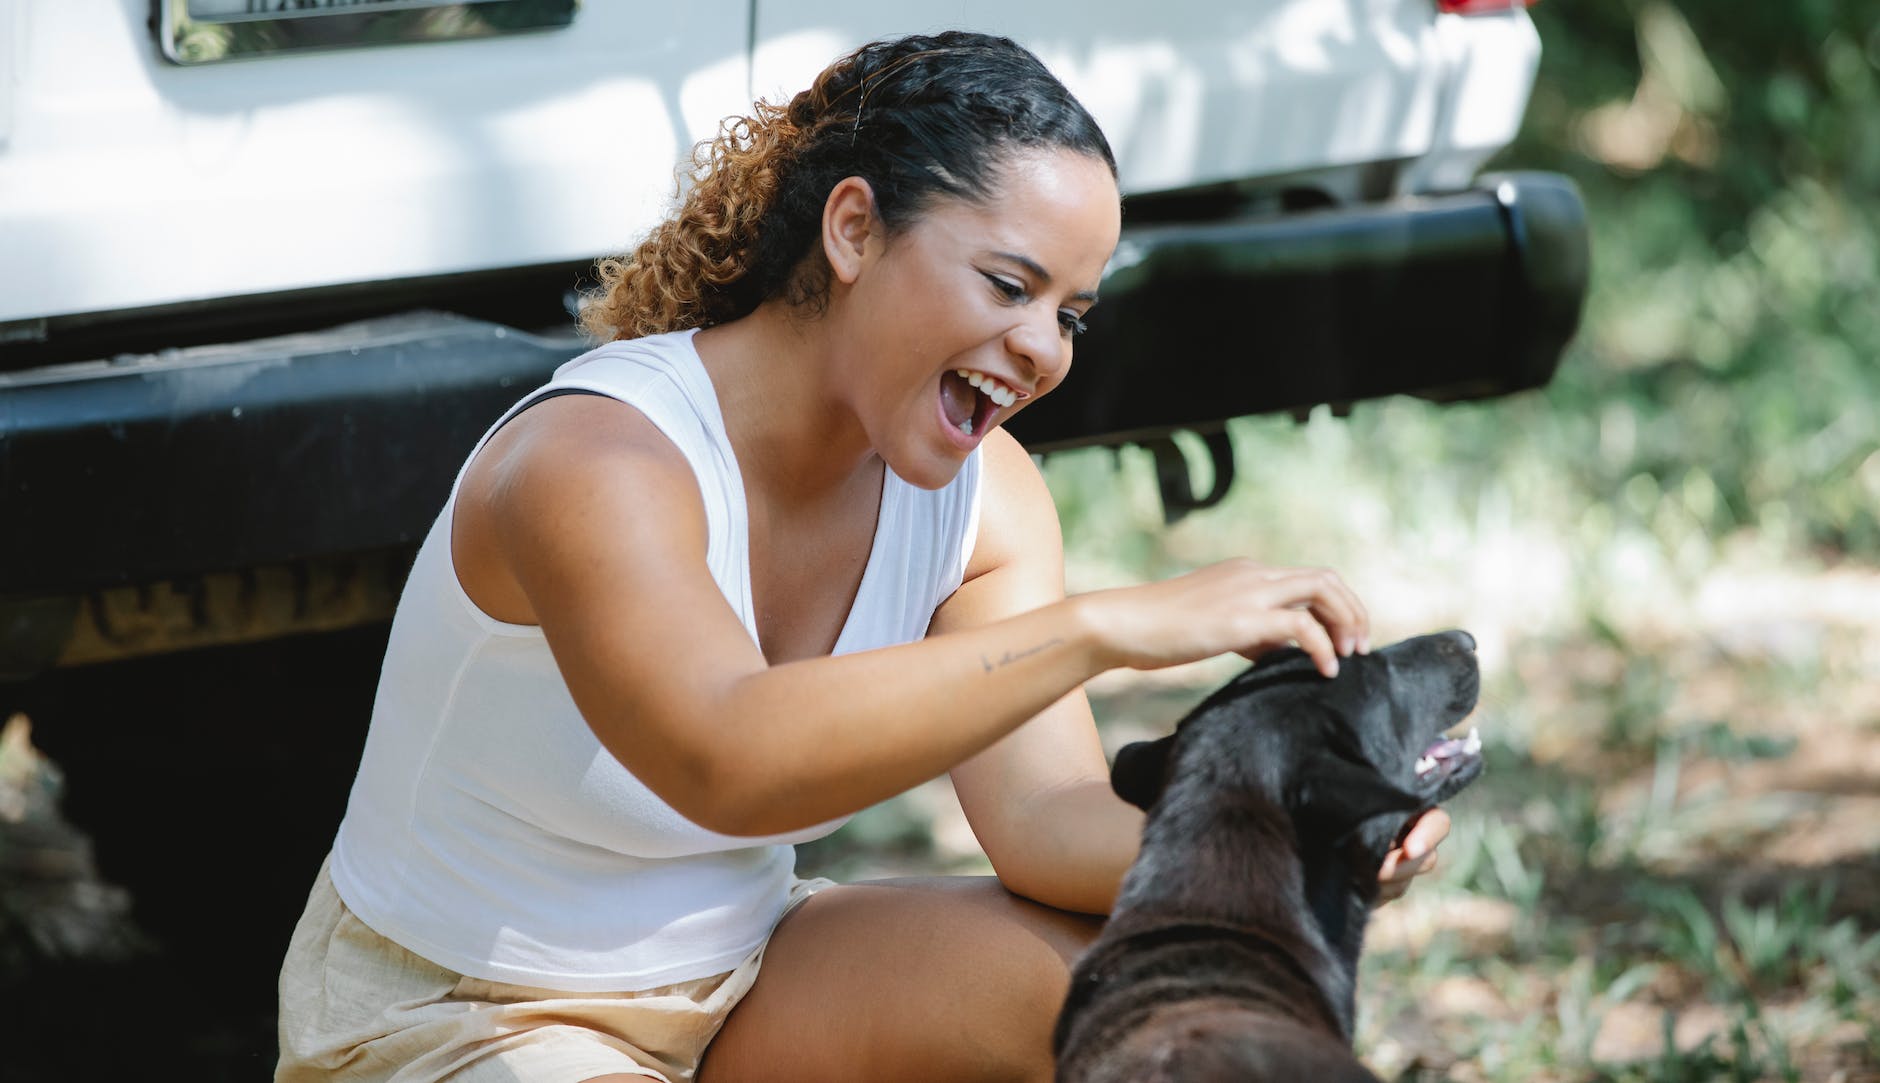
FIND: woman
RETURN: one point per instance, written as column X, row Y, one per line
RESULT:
column 762, row 561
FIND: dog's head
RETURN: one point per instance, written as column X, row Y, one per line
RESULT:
column 1350, row 758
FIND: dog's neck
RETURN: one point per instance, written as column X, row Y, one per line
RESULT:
column 1247, row 842
column 1341, row 912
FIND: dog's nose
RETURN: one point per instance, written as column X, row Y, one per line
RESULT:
column 1468, row 641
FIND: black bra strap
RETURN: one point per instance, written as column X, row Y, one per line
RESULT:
column 555, row 394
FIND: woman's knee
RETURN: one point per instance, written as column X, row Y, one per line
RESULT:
column 1017, row 957
column 949, row 978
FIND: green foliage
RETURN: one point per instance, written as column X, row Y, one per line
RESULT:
column 1726, row 378
column 1730, row 343
column 1723, row 395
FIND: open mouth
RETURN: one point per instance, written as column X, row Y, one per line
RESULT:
column 968, row 403
column 1450, row 760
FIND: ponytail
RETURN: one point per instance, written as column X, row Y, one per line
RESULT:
column 682, row 275
column 917, row 117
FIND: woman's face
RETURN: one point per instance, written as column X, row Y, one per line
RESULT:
column 995, row 289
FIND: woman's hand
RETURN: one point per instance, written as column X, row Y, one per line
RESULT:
column 1414, row 856
column 1237, row 605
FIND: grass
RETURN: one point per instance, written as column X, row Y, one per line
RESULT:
column 1670, row 869
column 1670, row 557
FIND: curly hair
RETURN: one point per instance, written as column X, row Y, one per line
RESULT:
column 918, row 118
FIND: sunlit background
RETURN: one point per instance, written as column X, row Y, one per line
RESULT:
column 1671, row 558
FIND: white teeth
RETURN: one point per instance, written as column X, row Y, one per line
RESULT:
column 1474, row 741
column 1426, row 763
column 989, row 385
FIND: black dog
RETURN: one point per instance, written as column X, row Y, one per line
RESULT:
column 1233, row 948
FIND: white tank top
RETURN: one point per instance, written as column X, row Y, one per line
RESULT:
column 489, row 832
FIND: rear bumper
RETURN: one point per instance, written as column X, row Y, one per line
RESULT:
column 1458, row 296
column 346, row 441
column 232, row 456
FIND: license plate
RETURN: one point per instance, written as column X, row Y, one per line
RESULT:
column 207, row 31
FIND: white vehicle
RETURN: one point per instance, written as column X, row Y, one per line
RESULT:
column 225, row 224
column 217, row 159
column 269, row 267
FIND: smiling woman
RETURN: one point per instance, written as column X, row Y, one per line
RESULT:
column 764, row 559
column 914, row 118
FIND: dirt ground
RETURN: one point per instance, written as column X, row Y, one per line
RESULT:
column 1670, row 870
column 1678, row 836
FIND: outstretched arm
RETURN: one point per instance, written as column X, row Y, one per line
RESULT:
column 600, row 526
column 1039, row 799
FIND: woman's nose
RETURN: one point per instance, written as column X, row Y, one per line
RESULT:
column 1044, row 349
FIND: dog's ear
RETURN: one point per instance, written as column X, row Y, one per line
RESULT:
column 1141, row 770
column 1335, row 795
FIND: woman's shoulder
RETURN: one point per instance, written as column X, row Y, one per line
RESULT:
column 1010, row 477
column 1016, row 513
column 574, row 451
column 568, row 478
column 578, row 447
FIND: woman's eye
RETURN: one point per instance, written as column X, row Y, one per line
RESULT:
column 1008, row 289
column 1069, row 323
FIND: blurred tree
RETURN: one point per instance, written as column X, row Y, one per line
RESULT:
column 1730, row 156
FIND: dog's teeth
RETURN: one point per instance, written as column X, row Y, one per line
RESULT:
column 1474, row 741
column 1425, row 764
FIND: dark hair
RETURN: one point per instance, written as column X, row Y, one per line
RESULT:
column 918, row 118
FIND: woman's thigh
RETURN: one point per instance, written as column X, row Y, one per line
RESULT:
column 950, row 978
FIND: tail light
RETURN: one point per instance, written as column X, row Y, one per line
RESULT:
column 1480, row 7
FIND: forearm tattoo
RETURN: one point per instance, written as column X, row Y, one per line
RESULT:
column 1009, row 657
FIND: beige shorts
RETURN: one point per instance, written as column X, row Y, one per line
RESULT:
column 357, row 1007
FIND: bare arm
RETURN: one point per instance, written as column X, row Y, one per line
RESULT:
column 1039, row 799
column 600, row 527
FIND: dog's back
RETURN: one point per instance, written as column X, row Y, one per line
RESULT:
column 1198, row 1003
column 1219, row 1040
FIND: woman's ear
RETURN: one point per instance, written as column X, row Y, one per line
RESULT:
column 848, row 220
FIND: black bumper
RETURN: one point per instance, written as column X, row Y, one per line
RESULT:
column 1458, row 296
column 346, row 441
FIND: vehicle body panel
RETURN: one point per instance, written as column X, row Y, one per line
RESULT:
column 129, row 182
column 226, row 287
